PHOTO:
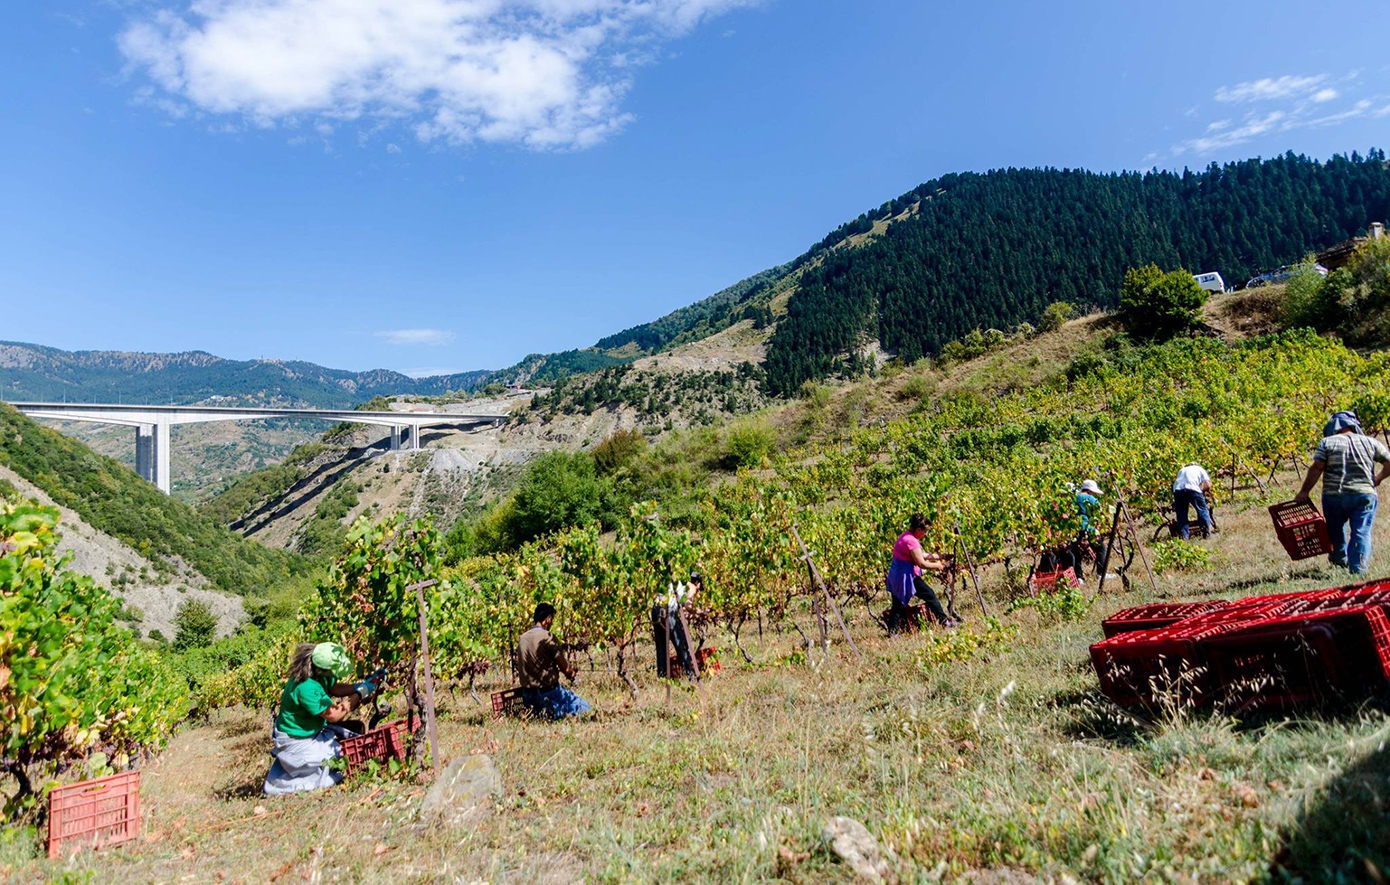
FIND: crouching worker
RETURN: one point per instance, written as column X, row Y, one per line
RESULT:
column 314, row 708
column 540, row 663
column 904, row 581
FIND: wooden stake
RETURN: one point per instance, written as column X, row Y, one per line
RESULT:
column 1109, row 548
column 419, row 589
column 815, row 576
column 970, row 566
column 1138, row 544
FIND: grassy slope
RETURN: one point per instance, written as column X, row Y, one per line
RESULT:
column 110, row 497
column 1008, row 761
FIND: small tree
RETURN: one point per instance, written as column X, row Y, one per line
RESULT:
column 1056, row 316
column 194, row 625
column 1154, row 304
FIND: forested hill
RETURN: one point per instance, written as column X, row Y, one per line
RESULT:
column 994, row 249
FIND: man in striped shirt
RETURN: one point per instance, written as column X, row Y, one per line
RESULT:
column 1346, row 462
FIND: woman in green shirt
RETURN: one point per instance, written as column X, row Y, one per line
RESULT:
column 306, row 731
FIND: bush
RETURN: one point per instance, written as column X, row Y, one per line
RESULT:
column 559, row 490
column 747, row 444
column 194, row 625
column 1056, row 315
column 617, row 450
column 1154, row 304
column 1303, row 302
column 1180, row 556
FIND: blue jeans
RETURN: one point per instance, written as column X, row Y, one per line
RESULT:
column 1184, row 498
column 1350, row 514
column 557, row 703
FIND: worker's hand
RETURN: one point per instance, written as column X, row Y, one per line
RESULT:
column 1301, row 498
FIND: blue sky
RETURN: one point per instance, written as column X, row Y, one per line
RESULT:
column 451, row 184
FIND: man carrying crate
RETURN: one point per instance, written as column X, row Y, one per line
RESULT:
column 540, row 663
column 1346, row 462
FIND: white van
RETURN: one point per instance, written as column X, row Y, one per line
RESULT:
column 1212, row 282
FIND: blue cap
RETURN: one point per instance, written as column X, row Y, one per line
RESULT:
column 1341, row 421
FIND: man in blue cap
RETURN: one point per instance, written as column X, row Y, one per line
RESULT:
column 1346, row 462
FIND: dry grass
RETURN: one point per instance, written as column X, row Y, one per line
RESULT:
column 1012, row 761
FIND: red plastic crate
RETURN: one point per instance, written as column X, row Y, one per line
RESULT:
column 508, row 702
column 384, row 742
column 1235, row 613
column 1303, row 660
column 708, row 659
column 1301, row 529
column 1047, row 582
column 1155, row 615
column 104, row 811
column 912, row 623
column 1139, row 668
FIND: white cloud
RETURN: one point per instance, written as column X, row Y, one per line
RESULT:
column 411, row 337
column 431, row 372
column 393, row 149
column 541, row 73
column 1298, row 102
column 1228, row 136
column 1269, row 89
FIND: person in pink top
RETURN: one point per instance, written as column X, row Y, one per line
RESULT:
column 904, row 575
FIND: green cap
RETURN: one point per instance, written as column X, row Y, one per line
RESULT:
column 334, row 658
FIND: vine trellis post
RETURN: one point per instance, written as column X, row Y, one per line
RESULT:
column 419, row 588
column 807, row 556
column 970, row 567
column 1122, row 509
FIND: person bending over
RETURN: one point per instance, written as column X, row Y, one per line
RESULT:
column 1190, row 491
column 1346, row 462
column 314, row 708
column 540, row 664
column 904, row 576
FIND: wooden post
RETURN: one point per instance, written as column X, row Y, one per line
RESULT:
column 1109, row 548
column 970, row 566
column 1138, row 544
column 1241, row 462
column 815, row 576
column 419, row 589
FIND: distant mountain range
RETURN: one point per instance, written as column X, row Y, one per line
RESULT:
column 35, row 372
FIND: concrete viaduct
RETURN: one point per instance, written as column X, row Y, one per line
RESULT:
column 152, row 425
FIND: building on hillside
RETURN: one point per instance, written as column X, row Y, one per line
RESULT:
column 1338, row 255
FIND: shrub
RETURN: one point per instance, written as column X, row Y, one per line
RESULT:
column 747, row 444
column 617, row 450
column 1154, row 304
column 1056, row 315
column 559, row 490
column 1303, row 301
column 1180, row 556
column 194, row 625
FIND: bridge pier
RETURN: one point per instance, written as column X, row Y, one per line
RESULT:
column 144, row 451
column 395, row 437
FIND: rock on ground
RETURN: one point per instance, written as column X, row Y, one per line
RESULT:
column 856, row 846
column 463, row 792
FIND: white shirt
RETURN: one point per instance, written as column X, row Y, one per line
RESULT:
column 1191, row 478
